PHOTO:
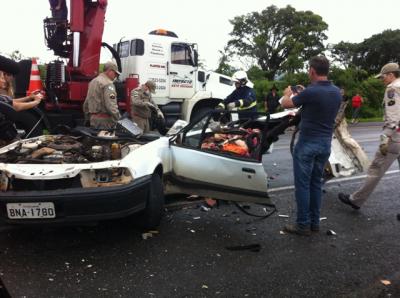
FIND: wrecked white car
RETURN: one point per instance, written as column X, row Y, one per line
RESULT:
column 80, row 176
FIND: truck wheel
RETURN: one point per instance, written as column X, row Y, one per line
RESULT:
column 150, row 217
column 26, row 121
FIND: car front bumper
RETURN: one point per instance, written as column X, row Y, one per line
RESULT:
column 82, row 204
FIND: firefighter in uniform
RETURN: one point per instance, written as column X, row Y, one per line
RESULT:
column 243, row 97
column 100, row 106
column 142, row 105
column 389, row 148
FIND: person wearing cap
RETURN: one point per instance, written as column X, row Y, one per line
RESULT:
column 389, row 147
column 142, row 105
column 100, row 106
column 8, row 69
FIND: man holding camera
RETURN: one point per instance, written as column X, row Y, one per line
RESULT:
column 319, row 104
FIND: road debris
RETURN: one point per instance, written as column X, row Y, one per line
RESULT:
column 204, row 208
column 204, row 287
column 282, row 233
column 251, row 229
column 193, row 197
column 386, row 282
column 210, row 202
column 323, row 218
column 331, row 233
column 283, row 215
column 147, row 235
column 252, row 247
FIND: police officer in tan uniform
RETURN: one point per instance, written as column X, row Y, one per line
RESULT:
column 389, row 148
column 100, row 105
column 142, row 105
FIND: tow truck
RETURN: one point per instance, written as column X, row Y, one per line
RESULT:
column 184, row 91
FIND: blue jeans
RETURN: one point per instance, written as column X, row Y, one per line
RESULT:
column 309, row 158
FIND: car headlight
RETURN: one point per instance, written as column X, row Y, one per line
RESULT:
column 105, row 177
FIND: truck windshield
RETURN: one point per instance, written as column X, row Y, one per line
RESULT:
column 180, row 54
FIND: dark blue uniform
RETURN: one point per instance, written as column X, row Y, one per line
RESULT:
column 245, row 100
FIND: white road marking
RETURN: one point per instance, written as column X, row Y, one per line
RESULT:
column 360, row 141
column 338, row 180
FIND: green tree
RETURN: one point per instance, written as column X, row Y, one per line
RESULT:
column 17, row 55
column 255, row 73
column 376, row 51
column 224, row 67
column 278, row 39
column 343, row 53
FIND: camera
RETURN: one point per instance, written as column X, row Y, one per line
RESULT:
column 296, row 89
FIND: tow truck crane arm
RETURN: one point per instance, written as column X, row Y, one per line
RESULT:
column 80, row 39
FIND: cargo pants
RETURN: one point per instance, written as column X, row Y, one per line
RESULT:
column 143, row 123
column 102, row 123
column 376, row 171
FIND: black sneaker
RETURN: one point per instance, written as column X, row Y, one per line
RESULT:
column 345, row 199
column 296, row 229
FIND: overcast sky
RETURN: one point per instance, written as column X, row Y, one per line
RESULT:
column 205, row 22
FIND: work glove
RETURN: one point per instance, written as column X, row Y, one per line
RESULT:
column 231, row 106
column 221, row 105
column 160, row 114
column 384, row 144
column 150, row 105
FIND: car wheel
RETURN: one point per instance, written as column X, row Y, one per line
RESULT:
column 150, row 218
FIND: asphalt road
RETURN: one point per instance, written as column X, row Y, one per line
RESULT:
column 189, row 258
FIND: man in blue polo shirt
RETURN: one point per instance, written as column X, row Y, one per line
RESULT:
column 319, row 104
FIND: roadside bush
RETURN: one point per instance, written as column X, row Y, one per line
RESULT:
column 352, row 80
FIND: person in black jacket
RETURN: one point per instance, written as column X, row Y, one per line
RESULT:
column 243, row 97
column 272, row 100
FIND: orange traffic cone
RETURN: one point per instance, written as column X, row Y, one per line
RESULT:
column 35, row 83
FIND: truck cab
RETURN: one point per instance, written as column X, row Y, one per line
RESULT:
column 183, row 90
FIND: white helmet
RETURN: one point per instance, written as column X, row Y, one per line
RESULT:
column 241, row 77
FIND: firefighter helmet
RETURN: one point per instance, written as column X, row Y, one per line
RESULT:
column 240, row 77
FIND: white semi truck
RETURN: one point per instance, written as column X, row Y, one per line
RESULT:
column 184, row 90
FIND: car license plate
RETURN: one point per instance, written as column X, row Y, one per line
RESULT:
column 31, row 210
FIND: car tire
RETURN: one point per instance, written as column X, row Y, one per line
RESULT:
column 151, row 216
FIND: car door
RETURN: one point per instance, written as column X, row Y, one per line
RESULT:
column 214, row 173
column 181, row 72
